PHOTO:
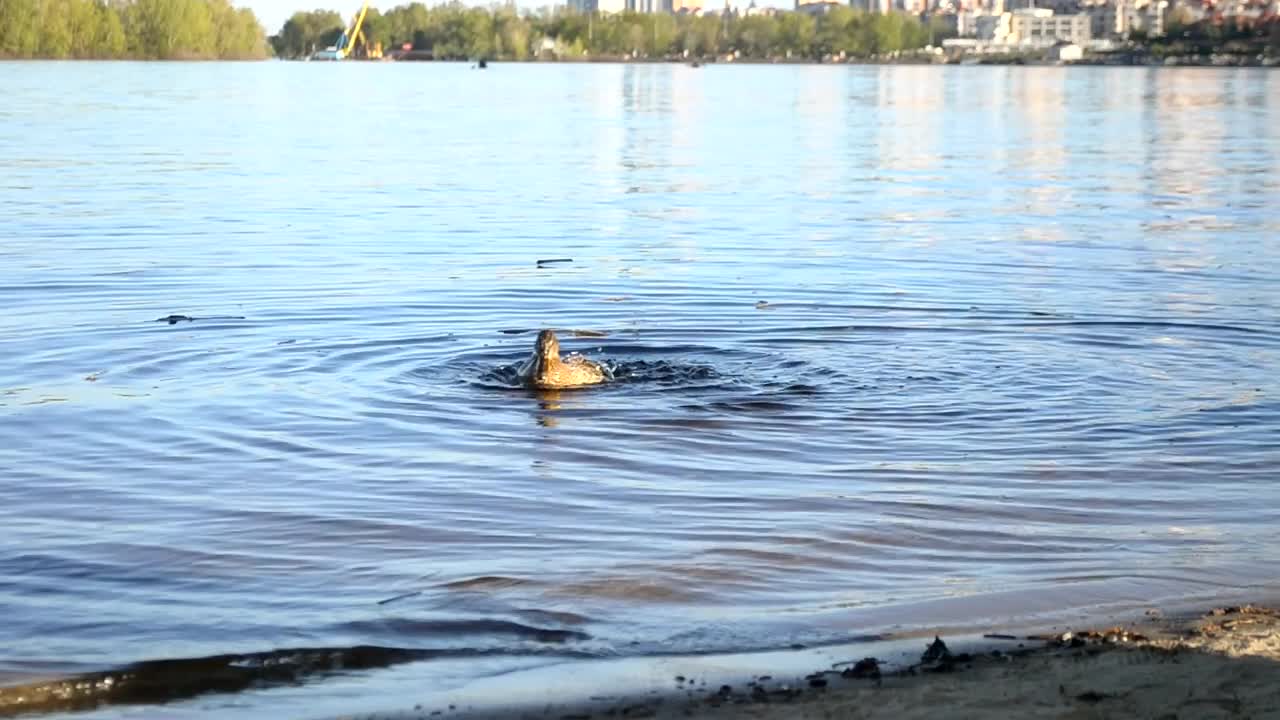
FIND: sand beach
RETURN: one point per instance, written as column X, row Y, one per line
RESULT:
column 1221, row 662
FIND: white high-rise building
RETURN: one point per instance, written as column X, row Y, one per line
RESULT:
column 648, row 6
column 601, row 6
column 1042, row 28
column 993, row 28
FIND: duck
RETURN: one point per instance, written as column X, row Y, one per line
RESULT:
column 544, row 370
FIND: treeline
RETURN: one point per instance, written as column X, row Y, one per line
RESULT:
column 1187, row 36
column 129, row 29
column 456, row 31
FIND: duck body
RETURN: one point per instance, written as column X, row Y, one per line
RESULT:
column 545, row 370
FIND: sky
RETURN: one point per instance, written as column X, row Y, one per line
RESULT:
column 273, row 13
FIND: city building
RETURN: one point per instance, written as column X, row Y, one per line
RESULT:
column 1041, row 28
column 875, row 6
column 754, row 10
column 599, row 6
column 1153, row 17
column 820, row 7
column 1109, row 19
column 1059, row 7
column 1066, row 52
column 994, row 29
column 1120, row 18
column 649, row 6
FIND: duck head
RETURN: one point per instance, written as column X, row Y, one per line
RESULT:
column 548, row 347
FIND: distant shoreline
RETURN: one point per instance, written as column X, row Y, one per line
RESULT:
column 1227, row 62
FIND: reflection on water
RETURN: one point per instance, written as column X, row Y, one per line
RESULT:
column 879, row 336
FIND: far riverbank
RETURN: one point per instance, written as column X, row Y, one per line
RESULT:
column 1128, row 59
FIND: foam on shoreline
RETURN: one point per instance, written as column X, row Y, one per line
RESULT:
column 1218, row 662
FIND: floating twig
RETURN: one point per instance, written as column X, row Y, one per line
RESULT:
column 400, row 597
column 414, row 593
column 175, row 319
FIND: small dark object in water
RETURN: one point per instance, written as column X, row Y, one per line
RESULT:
column 549, row 261
column 997, row 636
column 936, row 651
column 1092, row 696
column 483, row 63
column 400, row 597
column 695, row 63
column 175, row 319
column 817, row 681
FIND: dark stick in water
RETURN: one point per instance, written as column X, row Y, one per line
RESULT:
column 175, row 319
column 400, row 597
column 414, row 593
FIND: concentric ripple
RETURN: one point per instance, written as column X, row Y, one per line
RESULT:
column 895, row 345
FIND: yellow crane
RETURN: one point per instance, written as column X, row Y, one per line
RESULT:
column 356, row 35
column 350, row 37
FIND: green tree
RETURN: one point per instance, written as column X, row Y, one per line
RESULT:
column 159, row 29
column 19, row 28
column 110, row 41
column 56, row 29
column 306, row 31
column 376, row 28
column 756, row 36
column 796, row 33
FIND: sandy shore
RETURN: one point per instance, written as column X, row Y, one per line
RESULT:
column 1215, row 666
column 1215, row 663
column 1220, row 663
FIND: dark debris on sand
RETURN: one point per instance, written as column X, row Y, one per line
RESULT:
column 868, row 668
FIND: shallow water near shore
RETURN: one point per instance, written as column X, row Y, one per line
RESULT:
column 897, row 345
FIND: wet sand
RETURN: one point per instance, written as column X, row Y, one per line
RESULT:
column 1216, row 663
column 1224, row 666
column 1220, row 663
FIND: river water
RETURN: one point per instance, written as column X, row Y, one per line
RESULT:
column 920, row 343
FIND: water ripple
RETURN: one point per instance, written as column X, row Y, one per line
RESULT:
column 901, row 348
